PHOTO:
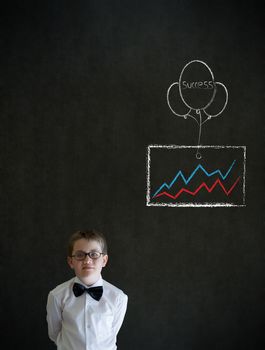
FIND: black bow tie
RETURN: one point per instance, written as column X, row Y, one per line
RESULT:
column 94, row 292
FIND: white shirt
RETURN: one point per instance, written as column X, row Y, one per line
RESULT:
column 83, row 323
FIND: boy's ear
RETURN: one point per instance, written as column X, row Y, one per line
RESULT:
column 70, row 262
column 105, row 260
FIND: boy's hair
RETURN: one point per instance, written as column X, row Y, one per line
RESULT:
column 89, row 235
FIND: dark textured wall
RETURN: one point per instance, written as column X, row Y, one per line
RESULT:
column 83, row 93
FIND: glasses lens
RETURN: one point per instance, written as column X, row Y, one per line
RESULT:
column 80, row 255
column 94, row 255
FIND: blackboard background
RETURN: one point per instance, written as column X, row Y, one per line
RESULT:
column 83, row 93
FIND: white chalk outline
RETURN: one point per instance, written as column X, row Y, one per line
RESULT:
column 197, row 110
column 179, row 82
column 192, row 108
column 148, row 165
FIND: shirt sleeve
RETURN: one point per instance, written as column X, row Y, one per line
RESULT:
column 54, row 317
column 120, row 313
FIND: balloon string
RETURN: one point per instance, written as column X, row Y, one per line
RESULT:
column 198, row 154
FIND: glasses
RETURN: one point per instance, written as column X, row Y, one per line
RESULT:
column 80, row 255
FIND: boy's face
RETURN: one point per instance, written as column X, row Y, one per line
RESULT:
column 87, row 270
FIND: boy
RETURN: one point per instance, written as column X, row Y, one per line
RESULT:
column 86, row 312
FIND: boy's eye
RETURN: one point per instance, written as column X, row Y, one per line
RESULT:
column 94, row 255
column 80, row 255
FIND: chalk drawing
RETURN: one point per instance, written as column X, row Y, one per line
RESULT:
column 186, row 181
column 197, row 95
column 200, row 187
column 174, row 177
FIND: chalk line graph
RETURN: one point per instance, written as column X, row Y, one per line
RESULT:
column 186, row 181
column 178, row 192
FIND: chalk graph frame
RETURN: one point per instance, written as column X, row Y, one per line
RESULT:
column 186, row 204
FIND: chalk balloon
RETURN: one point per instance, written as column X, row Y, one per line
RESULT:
column 196, row 85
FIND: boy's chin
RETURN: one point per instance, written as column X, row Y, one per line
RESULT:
column 89, row 278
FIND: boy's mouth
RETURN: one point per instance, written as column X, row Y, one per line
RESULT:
column 87, row 268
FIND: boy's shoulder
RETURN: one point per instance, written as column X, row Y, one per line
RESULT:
column 112, row 290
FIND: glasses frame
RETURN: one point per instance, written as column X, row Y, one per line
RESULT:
column 87, row 254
